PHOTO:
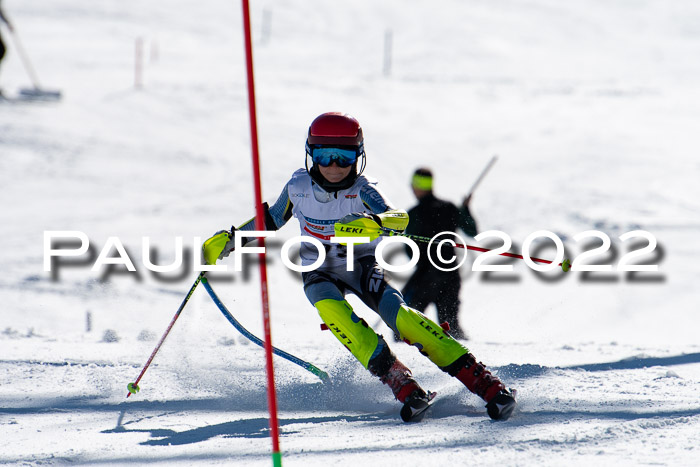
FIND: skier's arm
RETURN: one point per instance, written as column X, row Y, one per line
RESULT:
column 275, row 216
column 222, row 243
column 389, row 217
column 465, row 220
column 381, row 215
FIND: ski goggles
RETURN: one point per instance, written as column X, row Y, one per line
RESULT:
column 325, row 156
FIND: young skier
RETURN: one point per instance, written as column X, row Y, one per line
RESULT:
column 330, row 196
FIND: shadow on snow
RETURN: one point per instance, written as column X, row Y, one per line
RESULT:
column 247, row 428
column 528, row 370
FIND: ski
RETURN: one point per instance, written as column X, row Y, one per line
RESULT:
column 414, row 408
column 38, row 94
column 31, row 95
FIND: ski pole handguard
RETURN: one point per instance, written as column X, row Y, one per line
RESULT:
column 395, row 219
column 358, row 225
column 218, row 246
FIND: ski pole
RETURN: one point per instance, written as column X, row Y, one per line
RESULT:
column 134, row 387
column 481, row 176
column 323, row 376
column 25, row 58
column 565, row 265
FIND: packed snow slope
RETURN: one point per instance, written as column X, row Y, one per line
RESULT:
column 592, row 108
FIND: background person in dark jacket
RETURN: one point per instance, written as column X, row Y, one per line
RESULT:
column 428, row 284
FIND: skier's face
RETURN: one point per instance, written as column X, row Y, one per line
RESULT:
column 333, row 173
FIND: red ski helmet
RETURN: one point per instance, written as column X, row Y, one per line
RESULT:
column 335, row 130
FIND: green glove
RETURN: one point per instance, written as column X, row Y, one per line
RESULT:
column 220, row 245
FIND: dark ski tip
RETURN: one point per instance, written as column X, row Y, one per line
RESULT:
column 502, row 405
column 416, row 405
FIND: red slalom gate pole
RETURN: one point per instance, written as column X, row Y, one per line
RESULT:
column 260, row 225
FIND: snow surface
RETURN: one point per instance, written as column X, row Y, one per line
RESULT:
column 592, row 107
